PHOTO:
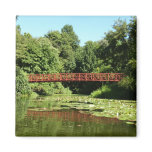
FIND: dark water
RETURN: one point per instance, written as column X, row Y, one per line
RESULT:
column 70, row 122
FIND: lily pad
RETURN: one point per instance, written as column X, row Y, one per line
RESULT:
column 98, row 110
column 130, row 122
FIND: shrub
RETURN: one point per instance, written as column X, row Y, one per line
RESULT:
column 101, row 92
column 113, row 91
column 49, row 88
column 22, row 85
column 59, row 89
column 42, row 88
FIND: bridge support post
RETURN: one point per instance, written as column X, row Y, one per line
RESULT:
column 108, row 76
column 85, row 76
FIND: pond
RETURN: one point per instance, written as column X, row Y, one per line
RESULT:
column 68, row 116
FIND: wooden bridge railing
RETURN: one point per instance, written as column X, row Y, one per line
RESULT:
column 60, row 77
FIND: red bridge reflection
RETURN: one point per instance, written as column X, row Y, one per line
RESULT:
column 73, row 116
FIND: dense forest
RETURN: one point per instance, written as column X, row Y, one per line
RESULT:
column 60, row 52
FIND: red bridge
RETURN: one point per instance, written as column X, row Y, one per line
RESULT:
column 60, row 77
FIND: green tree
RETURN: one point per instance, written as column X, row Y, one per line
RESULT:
column 88, row 61
column 116, row 51
column 22, row 85
column 55, row 37
column 69, row 34
column 130, row 81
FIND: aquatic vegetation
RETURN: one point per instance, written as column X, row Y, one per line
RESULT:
column 121, row 109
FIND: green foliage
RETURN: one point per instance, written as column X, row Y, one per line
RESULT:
column 42, row 89
column 86, row 59
column 132, row 38
column 113, row 48
column 22, row 85
column 60, row 89
column 50, row 88
column 67, row 43
column 55, row 37
column 69, row 34
column 101, row 67
column 117, row 53
column 37, row 55
column 127, row 82
column 67, row 58
column 101, row 92
column 113, row 91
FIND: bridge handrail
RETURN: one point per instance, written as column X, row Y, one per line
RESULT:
column 60, row 77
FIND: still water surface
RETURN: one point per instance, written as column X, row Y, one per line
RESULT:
column 67, row 122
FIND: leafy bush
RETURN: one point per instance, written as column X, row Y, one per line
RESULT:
column 50, row 88
column 67, row 91
column 22, row 85
column 59, row 89
column 128, row 83
column 96, row 93
column 101, row 92
column 42, row 89
column 113, row 91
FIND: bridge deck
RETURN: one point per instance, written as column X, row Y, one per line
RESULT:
column 60, row 77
